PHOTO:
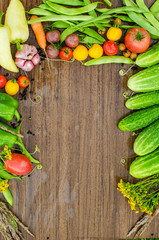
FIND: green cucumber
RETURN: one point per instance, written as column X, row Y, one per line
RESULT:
column 146, row 80
column 142, row 100
column 139, row 119
column 149, row 58
column 148, row 140
column 145, row 166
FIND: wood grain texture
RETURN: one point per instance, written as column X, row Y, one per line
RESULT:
column 74, row 196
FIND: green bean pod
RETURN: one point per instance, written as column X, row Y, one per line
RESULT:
column 55, row 17
column 120, row 10
column 90, row 40
column 8, row 196
column 154, row 8
column 92, row 33
column 108, row 3
column 68, row 2
column 123, row 18
column 109, row 59
column 59, row 24
column 39, row 12
column 72, row 11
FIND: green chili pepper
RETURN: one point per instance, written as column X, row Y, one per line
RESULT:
column 10, row 140
column 72, row 11
column 109, row 59
column 148, row 14
column 8, row 107
column 8, row 196
column 68, row 2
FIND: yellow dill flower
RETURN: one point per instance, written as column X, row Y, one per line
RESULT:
column 3, row 185
column 7, row 152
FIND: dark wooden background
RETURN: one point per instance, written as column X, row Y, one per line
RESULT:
column 74, row 196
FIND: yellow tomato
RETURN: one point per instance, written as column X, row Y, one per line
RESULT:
column 114, row 34
column 80, row 53
column 96, row 51
column 12, row 87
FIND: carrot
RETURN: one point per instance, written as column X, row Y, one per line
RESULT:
column 39, row 33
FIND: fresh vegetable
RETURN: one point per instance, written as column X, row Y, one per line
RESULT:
column 142, row 100
column 148, row 140
column 23, row 81
column 8, row 107
column 53, row 36
column 145, row 166
column 146, row 80
column 110, row 48
column 66, row 53
column 6, row 175
column 133, row 56
column 117, row 22
column 109, row 59
column 141, row 195
column 114, row 33
column 39, row 32
column 122, row 47
column 127, row 53
column 69, row 2
column 72, row 41
column 137, row 40
column 8, row 196
column 16, row 21
column 139, row 119
column 6, row 60
column 18, row 164
column 27, row 58
column 12, row 87
column 52, row 51
column 7, row 138
column 96, row 51
column 3, row 81
column 108, row 3
column 149, row 58
column 80, row 53
column 101, row 32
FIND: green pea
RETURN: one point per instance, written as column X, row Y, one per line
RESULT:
column 72, row 11
column 8, row 196
column 109, row 59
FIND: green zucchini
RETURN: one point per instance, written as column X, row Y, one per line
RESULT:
column 146, row 80
column 139, row 119
column 142, row 100
column 148, row 140
column 145, row 166
column 149, row 58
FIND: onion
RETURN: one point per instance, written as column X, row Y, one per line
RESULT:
column 27, row 58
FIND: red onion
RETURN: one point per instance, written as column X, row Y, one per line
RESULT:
column 27, row 58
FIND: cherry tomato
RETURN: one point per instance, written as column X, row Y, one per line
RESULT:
column 110, row 48
column 66, row 53
column 53, row 36
column 137, row 40
column 127, row 53
column 12, row 87
column 23, row 81
column 18, row 164
column 72, row 40
column 3, row 81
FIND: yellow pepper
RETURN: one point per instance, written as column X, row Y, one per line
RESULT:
column 16, row 20
column 6, row 60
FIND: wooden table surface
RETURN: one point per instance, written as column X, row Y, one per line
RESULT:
column 74, row 196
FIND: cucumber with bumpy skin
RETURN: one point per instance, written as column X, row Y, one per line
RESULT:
column 148, row 140
column 139, row 119
column 149, row 58
column 146, row 80
column 145, row 166
column 142, row 100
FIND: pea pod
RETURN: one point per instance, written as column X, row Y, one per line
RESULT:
column 68, row 2
column 148, row 14
column 40, row 12
column 8, row 196
column 109, row 59
column 154, row 8
column 72, row 11
column 58, row 24
column 90, row 40
column 120, row 10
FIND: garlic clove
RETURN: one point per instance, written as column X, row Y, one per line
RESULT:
column 36, row 59
column 20, row 62
column 28, row 66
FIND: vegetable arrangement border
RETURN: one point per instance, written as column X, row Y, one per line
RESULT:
column 75, row 19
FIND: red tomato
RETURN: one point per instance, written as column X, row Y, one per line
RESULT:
column 19, row 164
column 3, row 81
column 66, row 53
column 137, row 40
column 72, row 40
column 110, row 48
column 23, row 81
